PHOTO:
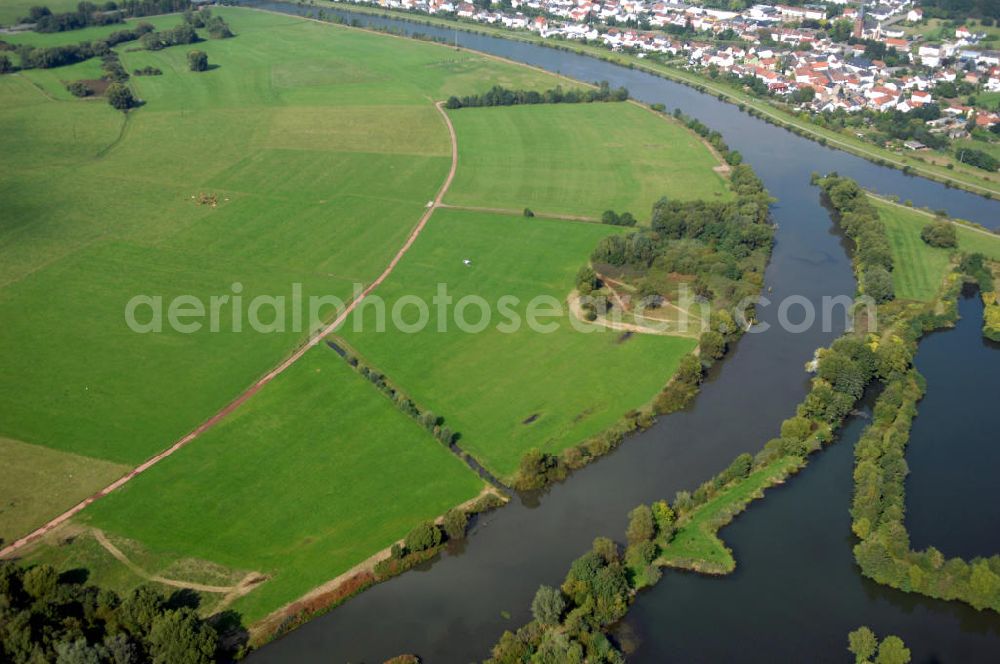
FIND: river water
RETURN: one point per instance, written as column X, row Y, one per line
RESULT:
column 796, row 592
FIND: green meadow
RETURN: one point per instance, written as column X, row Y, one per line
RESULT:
column 303, row 159
column 12, row 11
column 578, row 159
column 67, row 479
column 310, row 477
column 321, row 146
column 920, row 268
column 508, row 390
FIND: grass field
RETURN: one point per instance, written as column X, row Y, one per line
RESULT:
column 578, row 159
column 920, row 268
column 320, row 146
column 316, row 473
column 78, row 552
column 96, row 212
column 696, row 544
column 67, row 479
column 12, row 11
column 487, row 384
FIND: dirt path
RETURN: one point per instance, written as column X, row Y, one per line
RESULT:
column 267, row 378
column 573, row 301
column 103, row 540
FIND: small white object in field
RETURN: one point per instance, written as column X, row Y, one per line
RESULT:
column 467, row 261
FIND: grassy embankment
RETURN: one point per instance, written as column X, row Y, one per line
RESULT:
column 960, row 175
column 920, row 268
column 696, row 544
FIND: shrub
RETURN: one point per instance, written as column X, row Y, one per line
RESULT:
column 455, row 523
column 423, row 537
column 197, row 60
column 940, row 234
column 120, row 96
column 79, row 89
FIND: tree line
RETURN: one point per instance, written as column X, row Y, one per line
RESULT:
column 501, row 96
column 878, row 507
column 47, row 57
column 48, row 617
column 88, row 14
column 859, row 219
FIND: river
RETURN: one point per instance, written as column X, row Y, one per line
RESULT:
column 456, row 608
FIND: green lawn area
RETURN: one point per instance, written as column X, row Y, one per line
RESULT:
column 12, row 11
column 314, row 474
column 578, row 159
column 80, row 550
column 919, row 268
column 67, row 478
column 696, row 544
column 488, row 384
column 290, row 133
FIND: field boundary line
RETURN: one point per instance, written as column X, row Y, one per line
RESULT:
column 269, row 376
column 518, row 213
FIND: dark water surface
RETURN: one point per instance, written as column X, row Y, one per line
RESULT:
column 804, row 594
column 954, row 506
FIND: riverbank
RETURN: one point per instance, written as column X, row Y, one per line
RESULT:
column 961, row 177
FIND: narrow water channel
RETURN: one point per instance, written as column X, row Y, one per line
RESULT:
column 457, row 607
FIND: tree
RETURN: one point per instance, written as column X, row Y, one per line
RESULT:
column 5, row 65
column 609, row 217
column 712, row 344
column 940, row 234
column 862, row 644
column 663, row 516
column 548, row 605
column 528, row 212
column 198, row 60
column 640, row 525
column 40, row 581
column 140, row 608
column 877, row 284
column 455, row 523
column 179, row 637
column 423, row 537
column 120, row 96
column 892, row 651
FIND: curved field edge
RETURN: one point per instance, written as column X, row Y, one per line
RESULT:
column 972, row 181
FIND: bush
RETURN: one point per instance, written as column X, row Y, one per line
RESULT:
column 423, row 537
column 528, row 212
column 120, row 96
column 940, row 234
column 197, row 60
column 455, row 523
column 79, row 89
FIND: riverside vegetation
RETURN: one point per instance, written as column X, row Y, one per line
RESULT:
column 683, row 533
